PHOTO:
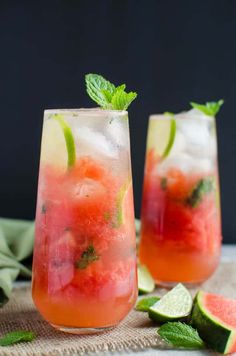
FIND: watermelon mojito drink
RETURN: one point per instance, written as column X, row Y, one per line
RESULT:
column 84, row 268
column 181, row 223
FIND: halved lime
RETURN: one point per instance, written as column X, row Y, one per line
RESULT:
column 146, row 283
column 145, row 303
column 161, row 134
column 175, row 305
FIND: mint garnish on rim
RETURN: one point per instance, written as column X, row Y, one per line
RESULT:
column 210, row 108
column 106, row 95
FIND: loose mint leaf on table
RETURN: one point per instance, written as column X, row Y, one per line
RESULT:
column 145, row 303
column 181, row 335
column 106, row 95
column 210, row 108
column 87, row 257
column 203, row 187
column 17, row 336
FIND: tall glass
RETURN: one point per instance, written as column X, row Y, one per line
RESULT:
column 181, row 222
column 84, row 266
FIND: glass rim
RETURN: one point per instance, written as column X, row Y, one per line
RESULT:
column 86, row 111
column 179, row 116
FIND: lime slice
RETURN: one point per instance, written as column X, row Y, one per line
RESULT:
column 146, row 283
column 145, row 303
column 121, row 203
column 161, row 135
column 175, row 305
column 70, row 143
column 58, row 147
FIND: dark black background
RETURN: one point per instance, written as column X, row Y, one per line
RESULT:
column 170, row 52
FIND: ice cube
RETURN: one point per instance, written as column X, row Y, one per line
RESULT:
column 195, row 126
column 117, row 131
column 185, row 163
column 94, row 143
column 88, row 187
column 179, row 143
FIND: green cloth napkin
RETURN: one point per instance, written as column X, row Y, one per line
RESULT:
column 16, row 244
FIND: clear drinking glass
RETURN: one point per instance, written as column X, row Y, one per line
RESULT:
column 84, row 265
column 181, row 220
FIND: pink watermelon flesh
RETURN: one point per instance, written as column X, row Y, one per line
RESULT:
column 224, row 309
column 214, row 317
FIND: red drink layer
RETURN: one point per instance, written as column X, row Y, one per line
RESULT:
column 84, row 267
column 181, row 225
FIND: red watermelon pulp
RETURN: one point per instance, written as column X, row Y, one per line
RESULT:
column 214, row 316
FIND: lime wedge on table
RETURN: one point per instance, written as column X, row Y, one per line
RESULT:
column 175, row 305
column 161, row 134
column 58, row 147
column 146, row 283
column 145, row 303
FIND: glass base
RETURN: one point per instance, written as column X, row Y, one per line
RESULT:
column 81, row 331
column 169, row 285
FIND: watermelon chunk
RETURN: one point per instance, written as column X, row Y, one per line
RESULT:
column 214, row 316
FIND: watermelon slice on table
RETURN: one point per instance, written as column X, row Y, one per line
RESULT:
column 214, row 316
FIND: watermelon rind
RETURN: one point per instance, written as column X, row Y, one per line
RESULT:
column 212, row 330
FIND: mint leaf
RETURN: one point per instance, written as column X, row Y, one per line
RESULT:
column 43, row 209
column 210, row 108
column 203, row 187
column 17, row 336
column 106, row 95
column 95, row 85
column 87, row 257
column 145, row 303
column 121, row 100
column 180, row 335
column 163, row 183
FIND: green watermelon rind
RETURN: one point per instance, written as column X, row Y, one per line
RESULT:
column 215, row 333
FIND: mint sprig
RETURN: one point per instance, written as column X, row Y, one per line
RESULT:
column 106, row 95
column 210, row 108
column 181, row 335
column 15, row 337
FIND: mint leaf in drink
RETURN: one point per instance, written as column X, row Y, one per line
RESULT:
column 145, row 303
column 163, row 183
column 203, row 187
column 210, row 108
column 106, row 95
column 181, row 335
column 87, row 257
column 43, row 209
column 17, row 336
